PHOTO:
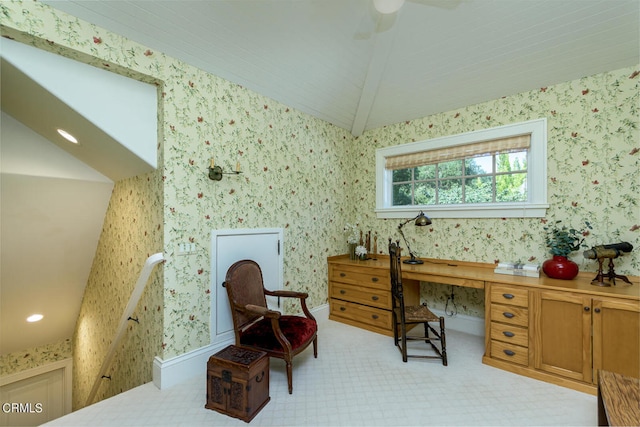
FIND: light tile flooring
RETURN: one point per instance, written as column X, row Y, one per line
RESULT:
column 359, row 379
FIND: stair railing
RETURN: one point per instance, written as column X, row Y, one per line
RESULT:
column 151, row 262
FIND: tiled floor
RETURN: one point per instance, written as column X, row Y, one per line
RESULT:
column 359, row 379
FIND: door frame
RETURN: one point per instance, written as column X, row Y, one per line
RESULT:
column 67, row 373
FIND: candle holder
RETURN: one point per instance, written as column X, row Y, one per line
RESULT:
column 216, row 172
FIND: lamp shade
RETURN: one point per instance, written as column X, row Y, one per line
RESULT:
column 422, row 220
column 388, row 6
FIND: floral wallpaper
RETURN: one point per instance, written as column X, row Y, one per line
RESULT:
column 132, row 231
column 309, row 178
column 34, row 357
column 593, row 175
column 295, row 176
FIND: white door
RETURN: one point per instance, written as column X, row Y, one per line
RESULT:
column 34, row 400
column 264, row 246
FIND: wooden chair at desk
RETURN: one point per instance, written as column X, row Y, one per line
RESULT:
column 412, row 315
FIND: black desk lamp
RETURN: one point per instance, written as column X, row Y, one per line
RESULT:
column 420, row 220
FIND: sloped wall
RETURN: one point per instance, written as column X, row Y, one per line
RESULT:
column 132, row 232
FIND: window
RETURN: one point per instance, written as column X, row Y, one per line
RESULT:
column 498, row 172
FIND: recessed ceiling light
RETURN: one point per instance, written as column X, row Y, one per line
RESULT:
column 34, row 318
column 66, row 135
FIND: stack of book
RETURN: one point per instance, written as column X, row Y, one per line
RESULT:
column 518, row 269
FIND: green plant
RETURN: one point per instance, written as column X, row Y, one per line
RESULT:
column 563, row 240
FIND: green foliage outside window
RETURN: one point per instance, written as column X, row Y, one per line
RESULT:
column 486, row 179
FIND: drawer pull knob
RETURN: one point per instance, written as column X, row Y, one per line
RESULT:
column 374, row 316
column 508, row 296
column 375, row 298
column 342, row 291
column 343, row 274
column 509, row 334
column 374, row 279
column 343, row 308
column 597, row 310
column 587, row 308
column 509, row 352
column 508, row 315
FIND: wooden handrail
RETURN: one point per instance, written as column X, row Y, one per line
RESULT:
column 122, row 327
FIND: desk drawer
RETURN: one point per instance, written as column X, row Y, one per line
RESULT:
column 361, row 295
column 373, row 278
column 509, row 352
column 509, row 314
column 361, row 313
column 509, row 295
column 516, row 335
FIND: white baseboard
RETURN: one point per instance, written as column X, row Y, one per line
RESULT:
column 167, row 373
column 463, row 323
column 321, row 312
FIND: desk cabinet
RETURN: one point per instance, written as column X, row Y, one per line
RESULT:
column 561, row 322
column 559, row 336
column 509, row 324
column 558, row 331
column 575, row 335
column 616, row 336
column 360, row 296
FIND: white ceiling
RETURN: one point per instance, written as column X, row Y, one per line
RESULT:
column 338, row 60
column 52, row 209
column 54, row 194
column 343, row 62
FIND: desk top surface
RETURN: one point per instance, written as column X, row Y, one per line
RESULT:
column 444, row 271
column 620, row 395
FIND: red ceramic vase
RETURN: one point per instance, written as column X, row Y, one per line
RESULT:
column 560, row 267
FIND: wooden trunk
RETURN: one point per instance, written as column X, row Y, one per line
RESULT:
column 238, row 382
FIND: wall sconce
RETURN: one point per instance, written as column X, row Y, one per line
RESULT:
column 215, row 172
column 420, row 220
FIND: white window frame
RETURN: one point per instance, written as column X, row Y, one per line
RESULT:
column 534, row 207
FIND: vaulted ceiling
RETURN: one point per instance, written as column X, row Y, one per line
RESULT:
column 343, row 62
column 346, row 63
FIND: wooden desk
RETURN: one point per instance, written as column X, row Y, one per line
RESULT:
column 559, row 331
column 476, row 275
column 618, row 400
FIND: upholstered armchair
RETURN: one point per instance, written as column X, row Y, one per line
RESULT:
column 258, row 327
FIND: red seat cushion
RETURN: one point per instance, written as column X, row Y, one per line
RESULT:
column 298, row 330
